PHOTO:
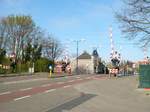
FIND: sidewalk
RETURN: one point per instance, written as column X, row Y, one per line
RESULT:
column 113, row 95
column 22, row 76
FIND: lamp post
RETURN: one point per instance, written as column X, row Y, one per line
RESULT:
column 77, row 60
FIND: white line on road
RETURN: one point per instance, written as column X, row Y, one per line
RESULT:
column 140, row 89
column 60, row 82
column 88, row 78
column 8, row 92
column 67, row 86
column 49, row 90
column 65, row 111
column 96, row 78
column 66, row 77
column 25, row 89
column 22, row 98
column 71, row 81
column 77, row 77
column 23, row 81
column 46, row 85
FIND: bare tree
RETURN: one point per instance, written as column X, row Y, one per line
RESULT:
column 52, row 48
column 135, row 21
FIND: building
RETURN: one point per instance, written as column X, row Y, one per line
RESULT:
column 86, row 63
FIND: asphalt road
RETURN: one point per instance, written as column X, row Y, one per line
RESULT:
column 25, row 82
column 85, row 93
column 39, row 94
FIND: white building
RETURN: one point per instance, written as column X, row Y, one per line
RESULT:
column 86, row 63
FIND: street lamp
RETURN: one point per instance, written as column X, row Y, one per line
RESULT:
column 77, row 44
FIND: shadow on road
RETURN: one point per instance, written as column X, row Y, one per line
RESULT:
column 73, row 103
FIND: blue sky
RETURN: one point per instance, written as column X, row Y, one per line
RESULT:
column 70, row 20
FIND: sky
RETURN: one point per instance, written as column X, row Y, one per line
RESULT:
column 72, row 20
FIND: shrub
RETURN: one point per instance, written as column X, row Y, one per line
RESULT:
column 41, row 65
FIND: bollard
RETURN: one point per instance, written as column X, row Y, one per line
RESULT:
column 50, row 71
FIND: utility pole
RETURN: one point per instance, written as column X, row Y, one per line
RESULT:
column 77, row 56
column 77, row 60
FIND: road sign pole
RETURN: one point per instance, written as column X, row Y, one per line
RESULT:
column 50, row 73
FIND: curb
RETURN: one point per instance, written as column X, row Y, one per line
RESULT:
column 145, row 90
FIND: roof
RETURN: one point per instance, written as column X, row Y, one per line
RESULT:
column 85, row 55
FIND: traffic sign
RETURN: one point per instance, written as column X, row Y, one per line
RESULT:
column 50, row 67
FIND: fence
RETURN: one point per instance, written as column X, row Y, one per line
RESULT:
column 144, row 76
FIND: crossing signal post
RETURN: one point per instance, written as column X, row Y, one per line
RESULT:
column 115, row 60
column 115, row 56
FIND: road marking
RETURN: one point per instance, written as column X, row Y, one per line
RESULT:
column 140, row 89
column 71, row 81
column 25, row 89
column 60, row 82
column 88, row 78
column 66, row 77
column 77, row 77
column 49, row 90
column 95, row 78
column 67, row 86
column 22, row 98
column 24, row 81
column 46, row 85
column 65, row 111
column 8, row 92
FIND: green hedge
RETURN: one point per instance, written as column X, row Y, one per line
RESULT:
column 41, row 65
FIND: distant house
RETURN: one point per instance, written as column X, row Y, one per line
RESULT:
column 86, row 63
